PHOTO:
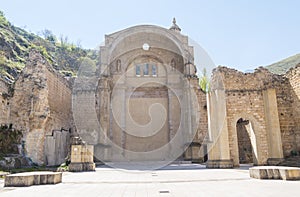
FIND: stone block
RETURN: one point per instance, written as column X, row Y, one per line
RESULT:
column 275, row 172
column 219, row 163
column 17, row 180
column 80, row 167
column 32, row 178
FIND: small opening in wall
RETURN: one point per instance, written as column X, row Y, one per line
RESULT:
column 281, row 114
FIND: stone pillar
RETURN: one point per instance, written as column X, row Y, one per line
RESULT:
column 82, row 158
column 123, row 106
column 218, row 149
column 275, row 153
column 170, row 97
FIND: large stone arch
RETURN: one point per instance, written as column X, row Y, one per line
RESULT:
column 151, row 31
column 133, row 38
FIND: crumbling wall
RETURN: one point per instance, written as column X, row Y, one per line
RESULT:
column 245, row 99
column 59, row 101
column 293, row 96
column 41, row 104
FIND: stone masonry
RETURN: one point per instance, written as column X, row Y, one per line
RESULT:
column 269, row 104
column 41, row 104
column 247, row 117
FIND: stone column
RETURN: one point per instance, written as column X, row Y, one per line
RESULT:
column 218, row 149
column 123, row 106
column 275, row 153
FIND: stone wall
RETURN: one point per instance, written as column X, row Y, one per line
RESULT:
column 293, row 117
column 56, row 147
column 4, row 102
column 202, row 131
column 198, row 148
column 41, row 104
column 269, row 102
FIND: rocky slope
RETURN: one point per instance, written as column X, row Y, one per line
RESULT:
column 284, row 65
column 16, row 43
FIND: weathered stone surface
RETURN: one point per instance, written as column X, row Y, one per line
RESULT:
column 275, row 172
column 269, row 106
column 82, row 158
column 11, row 162
column 4, row 102
column 81, row 167
column 41, row 104
column 32, row 178
column 219, row 164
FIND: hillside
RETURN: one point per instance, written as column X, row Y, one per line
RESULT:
column 15, row 44
column 283, row 66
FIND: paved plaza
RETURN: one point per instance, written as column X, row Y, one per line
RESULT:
column 173, row 180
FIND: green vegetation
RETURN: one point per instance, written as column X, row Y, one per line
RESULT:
column 16, row 43
column 283, row 66
column 204, row 81
column 9, row 138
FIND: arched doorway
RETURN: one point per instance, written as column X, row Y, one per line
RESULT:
column 245, row 147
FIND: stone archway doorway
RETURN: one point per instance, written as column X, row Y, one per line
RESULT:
column 245, row 146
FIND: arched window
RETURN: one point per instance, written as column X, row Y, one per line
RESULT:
column 154, row 70
column 146, row 69
column 138, row 70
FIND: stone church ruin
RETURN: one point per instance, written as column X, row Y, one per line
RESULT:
column 143, row 102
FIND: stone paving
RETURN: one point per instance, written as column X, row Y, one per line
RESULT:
column 173, row 180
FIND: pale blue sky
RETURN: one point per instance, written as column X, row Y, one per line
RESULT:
column 242, row 34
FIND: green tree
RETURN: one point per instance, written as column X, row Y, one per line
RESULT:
column 48, row 35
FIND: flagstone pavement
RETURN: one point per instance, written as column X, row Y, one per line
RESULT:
column 173, row 180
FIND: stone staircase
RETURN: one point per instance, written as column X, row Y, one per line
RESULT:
column 291, row 161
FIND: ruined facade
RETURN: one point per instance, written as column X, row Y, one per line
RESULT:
column 147, row 98
column 143, row 102
column 259, row 117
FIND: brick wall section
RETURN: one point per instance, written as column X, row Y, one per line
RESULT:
column 294, row 102
column 285, row 105
column 244, row 99
column 246, row 105
column 59, row 100
column 202, row 130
